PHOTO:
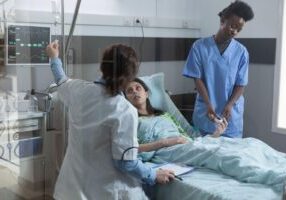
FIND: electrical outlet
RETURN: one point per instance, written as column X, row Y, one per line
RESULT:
column 145, row 22
column 185, row 24
column 138, row 21
column 127, row 21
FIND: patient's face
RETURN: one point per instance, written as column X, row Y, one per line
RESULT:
column 136, row 94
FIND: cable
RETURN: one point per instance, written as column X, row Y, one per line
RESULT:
column 141, row 42
column 122, row 157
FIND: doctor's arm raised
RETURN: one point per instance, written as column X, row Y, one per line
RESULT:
column 56, row 64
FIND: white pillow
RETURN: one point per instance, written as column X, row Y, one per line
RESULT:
column 160, row 99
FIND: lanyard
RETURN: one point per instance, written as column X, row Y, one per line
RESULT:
column 100, row 81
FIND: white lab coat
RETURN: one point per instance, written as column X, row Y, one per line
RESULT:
column 100, row 129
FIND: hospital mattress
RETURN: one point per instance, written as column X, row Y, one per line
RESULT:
column 204, row 184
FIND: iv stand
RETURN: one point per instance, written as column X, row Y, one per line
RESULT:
column 65, row 48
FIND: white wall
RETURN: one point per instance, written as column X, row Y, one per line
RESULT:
column 258, row 106
column 154, row 8
column 264, row 24
column 102, row 18
column 116, row 17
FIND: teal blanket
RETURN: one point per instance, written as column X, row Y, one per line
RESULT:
column 206, row 184
column 248, row 160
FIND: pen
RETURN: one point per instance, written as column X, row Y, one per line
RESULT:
column 180, row 178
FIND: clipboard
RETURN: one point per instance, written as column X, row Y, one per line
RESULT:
column 179, row 169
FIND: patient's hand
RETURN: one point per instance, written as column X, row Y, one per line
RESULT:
column 164, row 176
column 171, row 141
column 221, row 126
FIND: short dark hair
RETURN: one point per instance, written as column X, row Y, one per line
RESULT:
column 238, row 8
column 119, row 66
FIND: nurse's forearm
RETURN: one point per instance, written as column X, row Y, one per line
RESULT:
column 138, row 169
column 57, row 70
column 202, row 91
column 236, row 93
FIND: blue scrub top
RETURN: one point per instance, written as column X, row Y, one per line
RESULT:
column 220, row 73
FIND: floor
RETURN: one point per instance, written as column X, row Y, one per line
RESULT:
column 7, row 194
column 11, row 190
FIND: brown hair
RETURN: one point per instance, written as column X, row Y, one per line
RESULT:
column 150, row 108
column 118, row 66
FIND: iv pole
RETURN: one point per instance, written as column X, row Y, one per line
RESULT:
column 72, row 27
column 65, row 48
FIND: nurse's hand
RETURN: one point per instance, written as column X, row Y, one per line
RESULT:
column 164, row 176
column 211, row 113
column 227, row 112
column 52, row 49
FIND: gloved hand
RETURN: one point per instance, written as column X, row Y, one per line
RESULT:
column 52, row 49
column 211, row 113
column 226, row 113
column 164, row 176
column 220, row 126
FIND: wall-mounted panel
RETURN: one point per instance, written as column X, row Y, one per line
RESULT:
column 88, row 49
column 261, row 50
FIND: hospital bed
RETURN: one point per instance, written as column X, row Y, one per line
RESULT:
column 204, row 184
column 200, row 184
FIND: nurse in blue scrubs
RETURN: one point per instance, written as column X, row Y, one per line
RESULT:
column 219, row 66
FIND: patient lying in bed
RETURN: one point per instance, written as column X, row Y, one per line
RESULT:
column 162, row 140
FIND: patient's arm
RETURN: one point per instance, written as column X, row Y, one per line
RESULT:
column 166, row 142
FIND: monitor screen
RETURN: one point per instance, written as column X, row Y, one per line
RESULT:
column 27, row 44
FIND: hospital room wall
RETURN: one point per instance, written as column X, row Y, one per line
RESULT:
column 176, row 83
column 259, row 91
column 163, row 10
column 258, row 106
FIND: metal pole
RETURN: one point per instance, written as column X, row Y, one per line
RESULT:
column 64, row 123
column 63, row 34
column 65, row 48
column 72, row 25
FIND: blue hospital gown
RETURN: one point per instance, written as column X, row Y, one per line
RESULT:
column 154, row 128
column 220, row 73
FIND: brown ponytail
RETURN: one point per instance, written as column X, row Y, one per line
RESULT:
column 118, row 66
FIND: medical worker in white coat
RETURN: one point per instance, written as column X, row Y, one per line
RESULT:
column 219, row 65
column 101, row 157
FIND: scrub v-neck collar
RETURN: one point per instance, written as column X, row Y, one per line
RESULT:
column 226, row 51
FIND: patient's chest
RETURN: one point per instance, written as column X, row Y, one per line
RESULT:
column 154, row 128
